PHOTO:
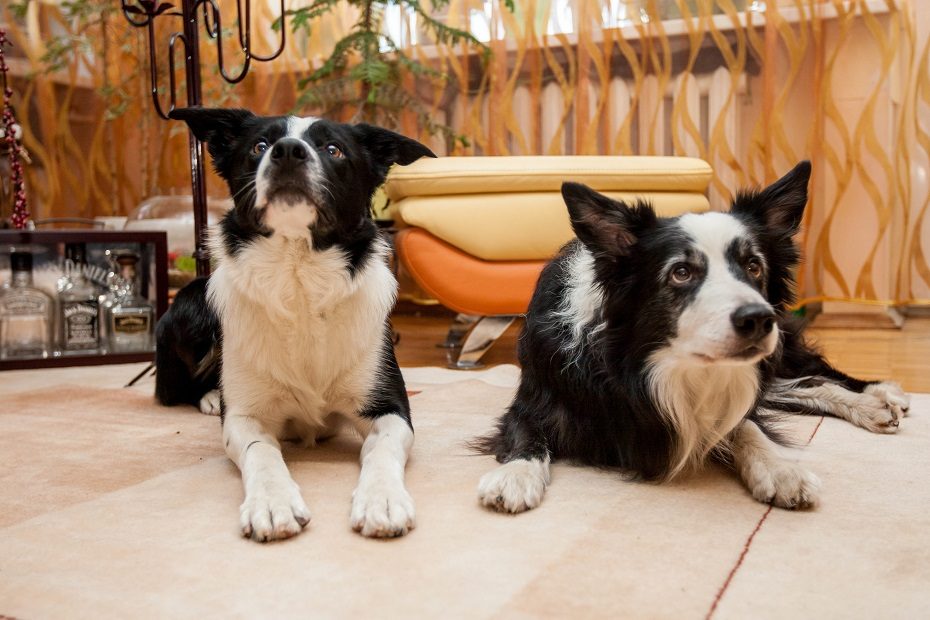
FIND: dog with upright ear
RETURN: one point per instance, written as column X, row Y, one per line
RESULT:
column 655, row 344
column 779, row 208
column 388, row 148
column 775, row 214
column 221, row 128
column 297, row 312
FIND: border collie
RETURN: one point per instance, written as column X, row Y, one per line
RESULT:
column 652, row 344
column 293, row 324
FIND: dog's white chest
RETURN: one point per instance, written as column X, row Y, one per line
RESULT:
column 298, row 329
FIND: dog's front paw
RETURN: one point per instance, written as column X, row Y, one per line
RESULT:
column 210, row 403
column 382, row 509
column 783, row 484
column 891, row 394
column 274, row 512
column 515, row 486
column 876, row 414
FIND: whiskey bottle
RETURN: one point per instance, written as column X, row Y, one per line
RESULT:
column 108, row 297
column 25, row 313
column 131, row 318
column 78, row 305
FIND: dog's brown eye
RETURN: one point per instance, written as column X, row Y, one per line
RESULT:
column 681, row 273
column 334, row 151
column 260, row 147
column 754, row 268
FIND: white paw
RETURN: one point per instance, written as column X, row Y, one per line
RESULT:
column 274, row 512
column 783, row 484
column 210, row 403
column 875, row 414
column 890, row 393
column 515, row 486
column 382, row 509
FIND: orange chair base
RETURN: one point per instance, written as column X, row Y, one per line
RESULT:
column 464, row 283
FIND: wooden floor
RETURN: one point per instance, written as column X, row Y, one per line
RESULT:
column 902, row 355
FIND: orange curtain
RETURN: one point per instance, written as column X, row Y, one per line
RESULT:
column 752, row 87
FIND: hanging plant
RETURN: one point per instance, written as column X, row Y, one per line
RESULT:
column 366, row 67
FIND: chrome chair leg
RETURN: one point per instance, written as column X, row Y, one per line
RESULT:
column 458, row 330
column 481, row 337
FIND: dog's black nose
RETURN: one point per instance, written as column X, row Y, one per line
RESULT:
column 753, row 321
column 289, row 151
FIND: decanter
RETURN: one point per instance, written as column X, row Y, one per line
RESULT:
column 26, row 313
column 108, row 297
column 131, row 317
column 78, row 305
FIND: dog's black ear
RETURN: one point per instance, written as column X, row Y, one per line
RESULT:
column 604, row 225
column 388, row 148
column 780, row 206
column 217, row 127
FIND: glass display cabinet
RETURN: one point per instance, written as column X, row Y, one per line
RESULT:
column 78, row 297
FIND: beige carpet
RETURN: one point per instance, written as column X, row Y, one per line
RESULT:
column 111, row 507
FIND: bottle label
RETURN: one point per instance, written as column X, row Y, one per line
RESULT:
column 131, row 323
column 80, row 323
column 25, row 303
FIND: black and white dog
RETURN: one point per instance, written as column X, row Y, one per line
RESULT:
column 652, row 344
column 292, row 324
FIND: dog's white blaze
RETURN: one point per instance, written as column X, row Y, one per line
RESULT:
column 296, row 126
column 704, row 327
column 703, row 403
column 583, row 300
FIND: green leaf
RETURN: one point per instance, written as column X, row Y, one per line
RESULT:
column 20, row 9
column 185, row 263
column 371, row 72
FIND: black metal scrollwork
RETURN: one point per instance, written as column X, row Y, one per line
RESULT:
column 142, row 14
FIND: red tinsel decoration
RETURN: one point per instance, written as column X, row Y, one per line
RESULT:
column 20, row 209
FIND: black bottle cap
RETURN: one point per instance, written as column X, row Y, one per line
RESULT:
column 20, row 261
column 76, row 253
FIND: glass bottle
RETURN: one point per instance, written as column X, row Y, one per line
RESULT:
column 78, row 305
column 26, row 313
column 108, row 297
column 131, row 317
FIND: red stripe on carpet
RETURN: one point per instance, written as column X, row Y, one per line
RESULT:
column 748, row 543
column 739, row 562
column 816, row 428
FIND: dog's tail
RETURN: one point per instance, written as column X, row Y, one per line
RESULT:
column 492, row 444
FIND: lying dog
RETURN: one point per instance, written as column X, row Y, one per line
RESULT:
column 293, row 322
column 654, row 343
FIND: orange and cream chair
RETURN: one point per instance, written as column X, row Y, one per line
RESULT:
column 477, row 231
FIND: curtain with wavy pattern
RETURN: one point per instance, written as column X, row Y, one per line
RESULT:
column 750, row 86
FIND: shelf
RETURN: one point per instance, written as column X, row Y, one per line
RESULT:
column 153, row 275
column 76, row 360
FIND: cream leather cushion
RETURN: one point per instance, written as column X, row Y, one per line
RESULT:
column 518, row 226
column 511, row 208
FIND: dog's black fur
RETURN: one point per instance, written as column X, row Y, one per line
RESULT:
column 189, row 336
column 187, row 354
column 590, row 401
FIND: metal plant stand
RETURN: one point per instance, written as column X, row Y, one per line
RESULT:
column 142, row 14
